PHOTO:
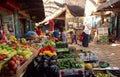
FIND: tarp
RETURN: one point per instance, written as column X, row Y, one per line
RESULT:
column 55, row 8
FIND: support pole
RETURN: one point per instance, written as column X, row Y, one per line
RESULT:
column 16, row 24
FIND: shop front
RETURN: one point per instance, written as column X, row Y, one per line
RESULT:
column 111, row 12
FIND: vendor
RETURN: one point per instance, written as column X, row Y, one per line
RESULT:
column 3, row 37
column 39, row 31
column 30, row 35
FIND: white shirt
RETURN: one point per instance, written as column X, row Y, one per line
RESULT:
column 88, row 29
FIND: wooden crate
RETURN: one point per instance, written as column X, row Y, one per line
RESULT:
column 22, row 68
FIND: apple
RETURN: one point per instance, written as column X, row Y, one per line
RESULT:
column 11, row 72
column 14, row 67
column 11, row 63
column 14, row 58
column 18, row 62
column 22, row 60
column 4, row 55
column 1, row 58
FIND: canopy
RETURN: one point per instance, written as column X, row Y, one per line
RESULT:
column 54, row 8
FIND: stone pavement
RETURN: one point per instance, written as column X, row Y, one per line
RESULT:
column 109, row 53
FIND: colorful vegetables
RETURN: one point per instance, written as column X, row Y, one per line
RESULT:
column 68, row 64
column 48, row 50
column 51, row 43
column 68, row 56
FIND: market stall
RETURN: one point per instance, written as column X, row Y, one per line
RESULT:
column 15, row 56
column 50, row 59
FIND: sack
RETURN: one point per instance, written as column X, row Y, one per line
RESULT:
column 81, row 37
column 1, row 36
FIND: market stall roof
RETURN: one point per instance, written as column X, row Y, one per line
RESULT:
column 54, row 8
column 34, row 8
column 109, row 5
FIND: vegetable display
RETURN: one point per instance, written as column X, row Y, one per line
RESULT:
column 68, row 64
column 48, row 50
column 68, row 56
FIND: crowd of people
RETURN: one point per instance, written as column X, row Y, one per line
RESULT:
column 59, row 34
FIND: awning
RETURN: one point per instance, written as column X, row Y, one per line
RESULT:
column 56, row 14
column 54, row 8
column 109, row 5
column 34, row 8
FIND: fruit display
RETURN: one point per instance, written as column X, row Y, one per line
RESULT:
column 23, row 40
column 8, row 51
column 69, row 64
column 3, row 57
column 11, row 59
column 49, row 42
column 102, row 75
column 12, row 65
column 12, row 38
column 61, row 56
column 25, row 53
column 48, row 50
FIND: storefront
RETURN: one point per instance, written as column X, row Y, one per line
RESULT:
column 111, row 12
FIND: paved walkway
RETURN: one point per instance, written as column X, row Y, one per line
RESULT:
column 104, row 52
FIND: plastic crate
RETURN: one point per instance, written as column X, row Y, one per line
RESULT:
column 72, row 73
column 61, row 45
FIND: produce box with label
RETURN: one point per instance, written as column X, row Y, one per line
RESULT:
column 71, row 67
column 106, row 72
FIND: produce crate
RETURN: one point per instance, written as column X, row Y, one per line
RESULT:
column 61, row 45
column 22, row 68
column 71, row 55
column 70, row 63
column 106, row 71
column 72, row 73
column 101, row 73
column 114, row 73
column 62, row 50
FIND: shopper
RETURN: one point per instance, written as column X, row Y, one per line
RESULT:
column 56, row 34
column 3, row 37
column 64, row 39
column 74, row 38
column 39, row 31
column 30, row 35
column 86, row 32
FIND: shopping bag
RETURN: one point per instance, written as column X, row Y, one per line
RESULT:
column 81, row 37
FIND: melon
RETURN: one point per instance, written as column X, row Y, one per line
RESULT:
column 88, row 66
